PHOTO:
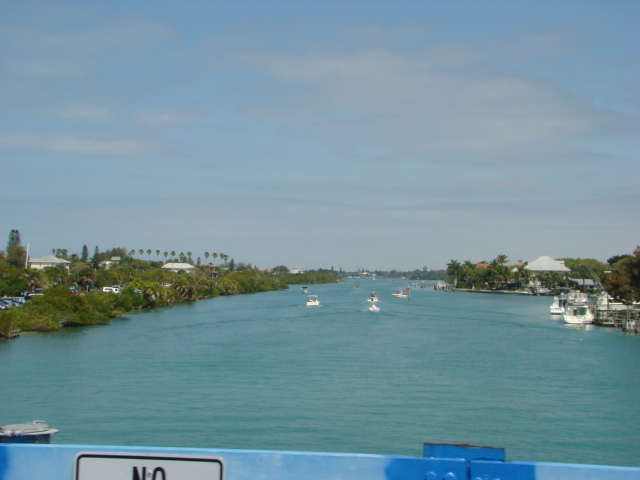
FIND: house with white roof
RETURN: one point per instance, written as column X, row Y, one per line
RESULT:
column 48, row 261
column 176, row 267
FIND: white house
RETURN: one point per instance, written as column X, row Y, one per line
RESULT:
column 176, row 267
column 48, row 261
column 108, row 263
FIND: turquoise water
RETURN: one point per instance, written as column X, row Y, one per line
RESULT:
column 266, row 372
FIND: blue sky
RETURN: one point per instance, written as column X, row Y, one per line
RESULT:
column 361, row 134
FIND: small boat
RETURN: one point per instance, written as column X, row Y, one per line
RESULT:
column 313, row 301
column 399, row 294
column 373, row 297
column 305, row 289
column 374, row 308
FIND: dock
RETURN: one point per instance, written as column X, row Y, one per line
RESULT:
column 10, row 334
column 627, row 320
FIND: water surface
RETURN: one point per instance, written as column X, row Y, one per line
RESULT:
column 266, row 372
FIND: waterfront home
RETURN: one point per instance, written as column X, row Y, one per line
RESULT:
column 177, row 267
column 48, row 261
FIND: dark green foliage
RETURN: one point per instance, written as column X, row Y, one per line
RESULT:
column 84, row 257
column 624, row 281
column 14, row 239
column 147, row 286
column 16, row 256
column 310, row 278
column 12, row 281
column 616, row 258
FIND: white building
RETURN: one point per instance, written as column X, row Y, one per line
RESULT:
column 48, row 261
column 176, row 267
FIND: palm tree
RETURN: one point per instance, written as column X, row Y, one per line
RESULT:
column 157, row 253
column 166, row 254
column 467, row 269
column 173, row 254
column 215, row 255
column 206, row 255
column 501, row 259
column 141, row 251
column 453, row 270
column 148, row 254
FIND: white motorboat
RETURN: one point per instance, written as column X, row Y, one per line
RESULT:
column 313, row 301
column 606, row 303
column 578, row 314
column 305, row 289
column 374, row 308
column 399, row 294
column 559, row 304
column 373, row 297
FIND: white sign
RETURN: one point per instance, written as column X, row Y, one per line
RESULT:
column 114, row 466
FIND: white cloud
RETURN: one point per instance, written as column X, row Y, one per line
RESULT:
column 82, row 145
column 447, row 100
column 168, row 117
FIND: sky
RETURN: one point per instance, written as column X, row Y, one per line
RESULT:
column 338, row 134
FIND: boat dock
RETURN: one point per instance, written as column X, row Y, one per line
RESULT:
column 10, row 334
column 627, row 320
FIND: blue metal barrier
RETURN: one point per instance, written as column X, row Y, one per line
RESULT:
column 441, row 462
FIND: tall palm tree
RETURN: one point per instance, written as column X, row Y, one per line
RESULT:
column 157, row 253
column 215, row 255
column 173, row 254
column 206, row 255
column 453, row 270
column 467, row 269
column 166, row 254
column 501, row 259
column 141, row 251
column 148, row 254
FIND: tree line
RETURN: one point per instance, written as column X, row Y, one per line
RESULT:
column 620, row 275
column 73, row 296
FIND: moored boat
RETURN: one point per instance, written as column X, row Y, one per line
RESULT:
column 559, row 304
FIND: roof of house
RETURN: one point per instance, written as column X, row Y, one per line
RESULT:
column 48, row 259
column 178, row 266
column 547, row 264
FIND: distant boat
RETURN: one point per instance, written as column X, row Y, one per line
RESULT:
column 399, row 294
column 373, row 297
column 305, row 289
column 374, row 308
column 313, row 301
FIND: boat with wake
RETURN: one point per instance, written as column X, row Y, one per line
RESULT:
column 313, row 301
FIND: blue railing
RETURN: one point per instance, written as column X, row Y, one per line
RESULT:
column 440, row 462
